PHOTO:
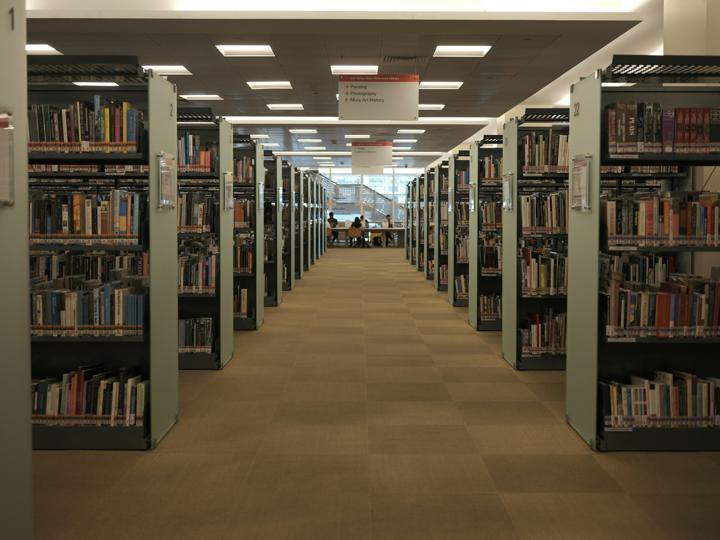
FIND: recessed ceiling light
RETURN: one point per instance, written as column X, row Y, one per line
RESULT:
column 354, row 70
column 302, row 130
column 245, row 50
column 397, row 158
column 440, row 85
column 41, row 48
column 321, row 158
column 195, row 123
column 309, row 140
column 312, row 148
column 355, row 136
column 461, row 51
column 405, row 140
column 94, row 83
column 270, row 85
column 259, row 136
column 401, row 148
column 328, row 165
column 431, row 106
column 348, row 144
column 617, row 84
column 169, row 70
column 285, row 107
column 417, row 131
column 201, row 97
column 269, row 144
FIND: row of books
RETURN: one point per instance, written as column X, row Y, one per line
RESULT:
column 443, row 211
column 75, row 307
column 443, row 237
column 490, row 255
column 642, row 127
column 640, row 170
column 112, row 216
column 245, row 170
column 443, row 275
column 195, row 335
column 491, row 167
column 462, row 212
column 545, row 151
column 462, row 179
column 683, row 306
column 194, row 155
column 490, row 307
column 646, row 219
column 197, row 266
column 637, row 268
column 244, row 253
column 90, row 396
column 490, row 214
column 461, row 248
column 542, row 272
column 101, row 125
column 241, row 303
column 244, row 215
column 100, row 267
column 40, row 168
column 198, row 211
column 667, row 399
column 461, row 286
column 544, row 213
column 543, row 333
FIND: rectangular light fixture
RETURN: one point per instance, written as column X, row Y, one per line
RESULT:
column 328, row 165
column 461, row 51
column 169, row 70
column 309, row 140
column 195, row 123
column 41, row 48
column 285, row 107
column 94, row 83
column 616, row 84
column 401, row 148
column 397, row 158
column 270, row 144
column 245, row 50
column 315, row 148
column 201, row 97
column 440, row 85
column 405, row 140
column 303, row 130
column 321, row 158
column 259, row 136
column 348, row 144
column 413, row 131
column 355, row 136
column 353, row 70
column 270, row 85
column 431, row 106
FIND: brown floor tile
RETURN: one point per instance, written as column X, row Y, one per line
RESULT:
column 505, row 412
column 320, row 412
column 536, row 438
column 413, row 412
column 419, row 440
column 325, row 391
column 690, row 517
column 301, row 439
column 407, row 392
column 490, row 391
column 404, row 374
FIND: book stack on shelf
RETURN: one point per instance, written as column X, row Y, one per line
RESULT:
column 248, row 225
column 441, row 227
column 534, row 304
column 459, row 228
column 273, row 263
column 413, row 209
column 285, row 193
column 643, row 322
column 429, row 222
column 103, row 318
column 307, row 224
column 298, row 236
column 420, row 229
column 485, row 237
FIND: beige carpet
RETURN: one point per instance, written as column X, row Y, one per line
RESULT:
column 366, row 407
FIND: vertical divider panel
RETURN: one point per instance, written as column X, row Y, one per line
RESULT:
column 436, row 229
column 510, row 247
column 292, row 230
column 451, row 231
column 259, row 236
column 473, row 231
column 279, row 266
column 227, row 341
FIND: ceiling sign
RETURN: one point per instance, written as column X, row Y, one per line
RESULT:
column 371, row 157
column 378, row 97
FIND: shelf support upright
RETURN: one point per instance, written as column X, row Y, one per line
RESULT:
column 227, row 340
column 259, row 236
column 451, row 231
column 291, row 227
column 473, row 233
column 510, row 247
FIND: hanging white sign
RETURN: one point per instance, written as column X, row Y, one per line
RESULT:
column 371, row 157
column 378, row 97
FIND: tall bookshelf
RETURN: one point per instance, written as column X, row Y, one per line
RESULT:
column 249, row 234
column 104, row 288
column 315, row 244
column 408, row 220
column 299, row 206
column 485, row 237
column 660, row 364
column 307, row 225
column 441, row 227
column 420, row 223
column 16, row 466
column 205, row 240
column 323, row 218
column 429, row 223
column 458, row 228
column 288, row 224
column 533, row 311
column 273, row 231
column 413, row 222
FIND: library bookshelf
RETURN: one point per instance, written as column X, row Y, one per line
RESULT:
column 485, row 236
column 288, row 221
column 307, row 224
column 272, row 221
column 420, row 203
column 458, row 228
column 248, row 234
column 534, row 311
column 408, row 220
column 440, row 231
column 641, row 364
column 429, row 223
column 205, row 240
column 299, row 221
column 413, row 210
column 103, row 254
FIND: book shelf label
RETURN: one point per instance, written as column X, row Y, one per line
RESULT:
column 7, row 172
column 229, row 201
column 167, row 178
column 580, row 183
column 507, row 192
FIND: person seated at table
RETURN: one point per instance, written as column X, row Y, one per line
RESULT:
column 365, row 231
column 387, row 224
column 355, row 233
column 332, row 232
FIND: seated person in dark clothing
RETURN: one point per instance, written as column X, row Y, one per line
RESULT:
column 332, row 224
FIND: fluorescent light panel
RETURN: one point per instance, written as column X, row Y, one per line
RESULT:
column 408, row 131
column 321, row 158
column 41, row 48
column 302, row 130
column 195, row 123
column 461, row 51
column 285, row 107
column 405, row 140
column 245, row 50
column 440, row 85
column 431, row 106
column 356, row 136
column 616, row 84
column 169, row 70
column 259, row 136
column 270, row 85
column 315, row 148
column 94, row 83
column 353, row 70
column 401, row 148
column 270, row 144
column 201, row 97
column 309, row 140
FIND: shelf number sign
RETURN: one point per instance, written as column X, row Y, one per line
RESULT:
column 507, row 192
column 580, row 183
column 167, row 180
column 229, row 202
column 7, row 170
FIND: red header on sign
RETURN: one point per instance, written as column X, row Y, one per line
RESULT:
column 373, row 143
column 380, row 78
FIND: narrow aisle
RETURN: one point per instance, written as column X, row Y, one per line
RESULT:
column 365, row 407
